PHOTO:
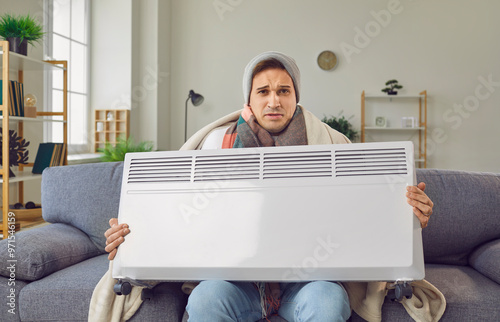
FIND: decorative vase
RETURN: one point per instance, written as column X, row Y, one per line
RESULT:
column 18, row 46
column 392, row 93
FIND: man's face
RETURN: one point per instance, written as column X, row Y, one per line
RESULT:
column 272, row 99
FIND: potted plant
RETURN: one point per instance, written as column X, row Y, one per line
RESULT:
column 342, row 125
column 17, row 150
column 112, row 153
column 393, row 85
column 20, row 31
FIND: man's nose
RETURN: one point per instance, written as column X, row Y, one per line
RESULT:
column 274, row 100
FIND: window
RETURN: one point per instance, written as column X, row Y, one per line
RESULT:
column 67, row 27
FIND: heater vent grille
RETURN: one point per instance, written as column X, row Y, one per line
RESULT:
column 269, row 165
column 300, row 164
column 166, row 169
column 227, row 167
column 368, row 162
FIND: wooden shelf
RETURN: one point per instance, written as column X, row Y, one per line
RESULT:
column 14, row 63
column 21, row 176
column 390, row 97
column 109, row 126
column 26, row 214
column 32, row 119
column 377, row 128
column 421, row 98
column 20, row 62
column 23, row 224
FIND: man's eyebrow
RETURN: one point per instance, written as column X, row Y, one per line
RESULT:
column 267, row 86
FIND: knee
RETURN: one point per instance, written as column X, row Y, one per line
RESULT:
column 208, row 294
column 223, row 301
column 328, row 298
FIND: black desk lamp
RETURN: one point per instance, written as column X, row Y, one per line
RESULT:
column 196, row 99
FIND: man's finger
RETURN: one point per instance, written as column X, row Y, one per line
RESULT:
column 424, row 220
column 112, row 254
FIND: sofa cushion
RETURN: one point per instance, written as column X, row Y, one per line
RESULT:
column 85, row 196
column 72, row 288
column 469, row 296
column 486, row 260
column 64, row 295
column 44, row 250
column 9, row 293
column 466, row 213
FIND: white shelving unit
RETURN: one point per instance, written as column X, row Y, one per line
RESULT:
column 15, row 63
column 397, row 131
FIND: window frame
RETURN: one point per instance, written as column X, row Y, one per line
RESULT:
column 48, row 77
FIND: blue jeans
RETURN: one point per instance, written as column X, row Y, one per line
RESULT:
column 239, row 301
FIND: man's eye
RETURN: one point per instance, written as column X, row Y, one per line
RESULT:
column 262, row 91
column 284, row 91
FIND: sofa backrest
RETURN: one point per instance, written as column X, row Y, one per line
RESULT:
column 85, row 196
column 466, row 213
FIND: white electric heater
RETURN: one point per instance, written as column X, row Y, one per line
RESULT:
column 324, row 212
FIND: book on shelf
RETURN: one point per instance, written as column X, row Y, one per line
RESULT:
column 49, row 155
column 12, row 98
column 16, row 98
column 20, row 100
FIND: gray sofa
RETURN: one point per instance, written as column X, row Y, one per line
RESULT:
column 58, row 265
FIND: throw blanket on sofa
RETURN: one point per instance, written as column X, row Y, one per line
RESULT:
column 366, row 298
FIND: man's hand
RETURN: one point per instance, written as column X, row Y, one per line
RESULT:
column 115, row 236
column 421, row 203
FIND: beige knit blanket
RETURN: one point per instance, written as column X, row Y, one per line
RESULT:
column 366, row 298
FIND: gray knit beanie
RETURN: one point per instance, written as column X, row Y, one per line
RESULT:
column 287, row 61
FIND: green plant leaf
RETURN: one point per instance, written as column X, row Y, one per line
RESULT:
column 342, row 125
column 23, row 27
column 123, row 146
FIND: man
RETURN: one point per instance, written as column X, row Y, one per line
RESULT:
column 270, row 117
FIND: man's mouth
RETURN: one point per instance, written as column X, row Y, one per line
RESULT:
column 274, row 115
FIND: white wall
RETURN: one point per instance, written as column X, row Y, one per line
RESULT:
column 130, row 64
column 446, row 47
column 111, row 56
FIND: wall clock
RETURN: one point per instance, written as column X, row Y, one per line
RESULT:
column 327, row 60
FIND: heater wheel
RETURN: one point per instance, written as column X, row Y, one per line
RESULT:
column 401, row 289
column 122, row 288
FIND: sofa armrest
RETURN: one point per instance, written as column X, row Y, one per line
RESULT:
column 84, row 196
column 486, row 260
column 42, row 251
